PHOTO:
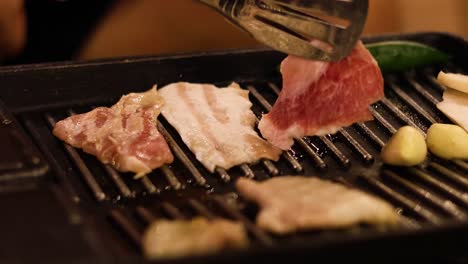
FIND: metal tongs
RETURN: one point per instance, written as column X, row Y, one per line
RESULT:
column 325, row 30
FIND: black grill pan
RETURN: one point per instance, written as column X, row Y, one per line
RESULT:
column 112, row 210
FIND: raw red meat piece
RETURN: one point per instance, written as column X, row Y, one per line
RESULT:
column 124, row 135
column 319, row 98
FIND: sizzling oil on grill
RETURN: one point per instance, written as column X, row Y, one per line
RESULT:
column 426, row 195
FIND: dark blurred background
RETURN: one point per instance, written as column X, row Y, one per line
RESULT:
column 57, row 29
column 34, row 31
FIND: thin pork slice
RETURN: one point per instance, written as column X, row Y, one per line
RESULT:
column 124, row 135
column 199, row 236
column 216, row 124
column 295, row 203
column 319, row 98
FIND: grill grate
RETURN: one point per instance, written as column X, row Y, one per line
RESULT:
column 432, row 194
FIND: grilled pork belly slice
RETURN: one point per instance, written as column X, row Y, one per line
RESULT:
column 319, row 98
column 294, row 203
column 179, row 238
column 216, row 124
column 124, row 135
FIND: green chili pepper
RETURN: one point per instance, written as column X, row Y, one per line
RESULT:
column 397, row 56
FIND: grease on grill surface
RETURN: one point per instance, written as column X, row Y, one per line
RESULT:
column 19, row 158
column 433, row 193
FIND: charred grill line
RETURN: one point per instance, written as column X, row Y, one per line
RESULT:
column 259, row 234
column 97, row 190
column 408, row 203
column 201, row 209
column 172, row 211
column 149, row 186
column 363, row 153
column 462, row 164
column 171, row 178
column 462, row 197
column 421, row 90
column 344, row 161
column 435, row 83
column 145, row 214
column 405, row 221
column 223, row 174
column 247, row 171
column 452, row 175
column 398, row 113
column 274, row 88
column 115, row 176
column 343, row 181
column 383, row 121
column 444, row 204
column 270, row 166
column 371, row 134
column 68, row 185
column 182, row 156
column 321, row 165
column 292, row 161
column 127, row 226
column 409, row 101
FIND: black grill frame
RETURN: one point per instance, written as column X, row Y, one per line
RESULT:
column 116, row 203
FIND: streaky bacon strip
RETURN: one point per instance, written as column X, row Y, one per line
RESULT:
column 216, row 124
column 318, row 98
column 124, row 135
